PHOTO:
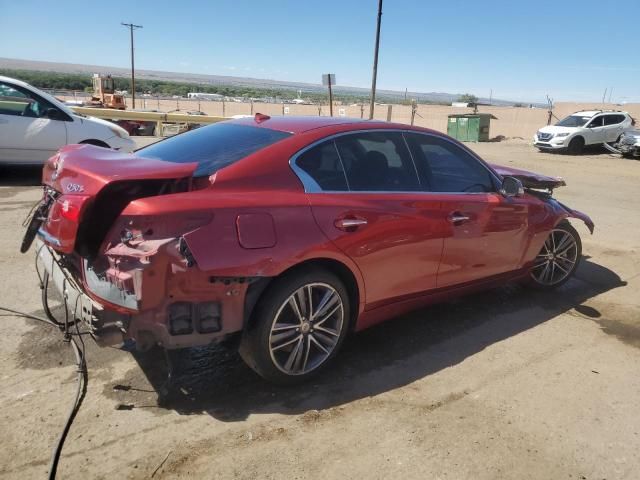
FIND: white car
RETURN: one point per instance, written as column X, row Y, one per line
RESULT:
column 579, row 129
column 34, row 125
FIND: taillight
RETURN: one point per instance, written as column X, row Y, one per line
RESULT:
column 71, row 206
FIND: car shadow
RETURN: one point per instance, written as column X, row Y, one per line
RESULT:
column 20, row 176
column 594, row 150
column 214, row 380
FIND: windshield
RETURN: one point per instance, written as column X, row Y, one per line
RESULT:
column 213, row 147
column 573, row 121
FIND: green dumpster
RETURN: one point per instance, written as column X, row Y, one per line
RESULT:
column 469, row 127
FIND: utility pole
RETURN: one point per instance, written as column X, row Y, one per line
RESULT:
column 375, row 62
column 131, row 26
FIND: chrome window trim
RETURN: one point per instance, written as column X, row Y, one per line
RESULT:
column 311, row 186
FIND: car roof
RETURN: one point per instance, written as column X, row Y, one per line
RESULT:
column 592, row 113
column 300, row 124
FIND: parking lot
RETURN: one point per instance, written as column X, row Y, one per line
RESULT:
column 510, row 383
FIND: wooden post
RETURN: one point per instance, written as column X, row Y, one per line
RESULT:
column 330, row 98
column 389, row 108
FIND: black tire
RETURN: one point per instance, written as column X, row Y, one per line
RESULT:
column 35, row 222
column 576, row 254
column 97, row 143
column 576, row 145
column 255, row 345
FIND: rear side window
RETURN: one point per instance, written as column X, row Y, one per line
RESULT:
column 323, row 165
column 445, row 167
column 613, row 119
column 377, row 162
column 213, row 147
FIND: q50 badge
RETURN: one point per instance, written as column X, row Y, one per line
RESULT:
column 75, row 188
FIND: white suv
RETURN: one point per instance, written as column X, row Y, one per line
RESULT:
column 34, row 125
column 583, row 128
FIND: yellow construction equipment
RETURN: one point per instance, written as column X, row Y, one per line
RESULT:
column 104, row 95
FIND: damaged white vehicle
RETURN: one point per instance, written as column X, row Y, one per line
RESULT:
column 628, row 145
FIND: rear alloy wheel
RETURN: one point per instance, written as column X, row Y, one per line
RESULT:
column 576, row 145
column 298, row 327
column 558, row 259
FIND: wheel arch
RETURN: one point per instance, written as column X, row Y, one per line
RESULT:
column 351, row 282
column 578, row 137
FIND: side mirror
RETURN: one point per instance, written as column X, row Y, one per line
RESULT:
column 52, row 114
column 511, row 187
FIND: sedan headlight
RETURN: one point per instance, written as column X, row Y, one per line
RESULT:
column 566, row 134
column 120, row 132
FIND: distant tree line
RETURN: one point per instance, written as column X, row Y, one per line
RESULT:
column 83, row 82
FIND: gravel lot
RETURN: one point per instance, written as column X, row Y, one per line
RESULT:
column 506, row 384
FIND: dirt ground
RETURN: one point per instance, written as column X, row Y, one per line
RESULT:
column 510, row 383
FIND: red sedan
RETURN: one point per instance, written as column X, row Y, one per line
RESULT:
column 289, row 233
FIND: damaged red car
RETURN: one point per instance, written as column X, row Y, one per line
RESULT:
column 288, row 233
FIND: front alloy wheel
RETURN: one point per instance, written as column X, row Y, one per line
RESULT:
column 297, row 327
column 558, row 257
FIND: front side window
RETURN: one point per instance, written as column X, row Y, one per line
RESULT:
column 377, row 162
column 213, row 147
column 596, row 122
column 446, row 167
column 18, row 102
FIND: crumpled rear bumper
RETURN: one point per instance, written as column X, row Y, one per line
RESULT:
column 107, row 328
column 190, row 309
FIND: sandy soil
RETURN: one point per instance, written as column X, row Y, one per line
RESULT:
column 506, row 384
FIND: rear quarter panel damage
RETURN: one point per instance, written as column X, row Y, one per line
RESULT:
column 238, row 245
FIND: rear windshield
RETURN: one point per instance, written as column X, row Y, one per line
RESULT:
column 213, row 147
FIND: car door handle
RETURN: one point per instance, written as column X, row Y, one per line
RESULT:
column 457, row 217
column 349, row 223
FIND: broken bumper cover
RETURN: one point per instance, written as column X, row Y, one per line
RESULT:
column 80, row 307
column 188, row 308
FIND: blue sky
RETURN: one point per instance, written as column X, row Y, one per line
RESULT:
column 522, row 50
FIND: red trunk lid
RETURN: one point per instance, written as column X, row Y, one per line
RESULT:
column 78, row 173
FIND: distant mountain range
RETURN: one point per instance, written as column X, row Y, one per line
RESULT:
column 202, row 79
